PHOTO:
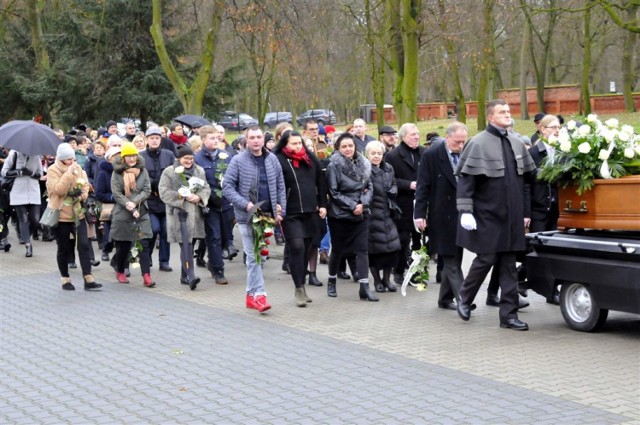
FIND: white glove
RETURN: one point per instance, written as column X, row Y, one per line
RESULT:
column 468, row 221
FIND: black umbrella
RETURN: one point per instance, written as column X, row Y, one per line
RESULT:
column 186, row 253
column 192, row 121
column 29, row 138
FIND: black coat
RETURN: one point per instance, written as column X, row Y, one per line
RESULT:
column 305, row 186
column 436, row 200
column 406, row 171
column 155, row 162
column 544, row 195
column 348, row 184
column 383, row 234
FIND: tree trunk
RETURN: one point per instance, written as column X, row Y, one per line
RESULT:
column 35, row 23
column 585, row 104
column 410, row 15
column 190, row 97
column 452, row 55
column 630, row 40
column 485, row 64
column 396, row 53
column 524, row 102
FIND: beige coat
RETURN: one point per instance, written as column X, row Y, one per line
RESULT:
column 59, row 183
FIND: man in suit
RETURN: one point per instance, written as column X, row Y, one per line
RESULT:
column 405, row 160
column 491, row 201
column 436, row 205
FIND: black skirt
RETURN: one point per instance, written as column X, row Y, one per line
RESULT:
column 306, row 225
column 349, row 236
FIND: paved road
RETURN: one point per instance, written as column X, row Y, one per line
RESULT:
column 128, row 354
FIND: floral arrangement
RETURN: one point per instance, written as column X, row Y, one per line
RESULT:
column 193, row 185
column 73, row 198
column 221, row 167
column 592, row 150
column 418, row 273
column 262, row 231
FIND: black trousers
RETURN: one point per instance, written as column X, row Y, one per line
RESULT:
column 505, row 264
column 298, row 259
column 452, row 277
column 69, row 236
column 122, row 255
column 28, row 218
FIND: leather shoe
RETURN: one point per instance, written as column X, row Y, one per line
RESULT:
column 95, row 263
column 165, row 267
column 493, row 300
column 448, row 306
column 344, row 275
column 514, row 324
column 464, row 311
column 555, row 299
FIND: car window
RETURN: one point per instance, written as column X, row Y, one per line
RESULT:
column 244, row 116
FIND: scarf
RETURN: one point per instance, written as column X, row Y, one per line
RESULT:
column 296, row 157
column 178, row 140
column 130, row 175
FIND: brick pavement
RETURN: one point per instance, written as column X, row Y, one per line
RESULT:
column 165, row 355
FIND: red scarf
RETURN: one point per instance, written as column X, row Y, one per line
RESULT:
column 178, row 140
column 296, row 157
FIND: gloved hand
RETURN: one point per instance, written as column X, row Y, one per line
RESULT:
column 468, row 221
column 13, row 173
column 36, row 175
column 26, row 172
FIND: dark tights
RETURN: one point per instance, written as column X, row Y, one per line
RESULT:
column 67, row 244
column 122, row 255
column 298, row 254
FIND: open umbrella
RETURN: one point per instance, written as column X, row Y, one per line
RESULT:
column 29, row 138
column 192, row 121
column 186, row 254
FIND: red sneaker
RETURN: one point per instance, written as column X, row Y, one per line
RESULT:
column 146, row 278
column 261, row 300
column 121, row 278
column 251, row 302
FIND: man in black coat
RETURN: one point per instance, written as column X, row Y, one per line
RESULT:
column 436, row 206
column 491, row 202
column 156, row 160
column 405, row 160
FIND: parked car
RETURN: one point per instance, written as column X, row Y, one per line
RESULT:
column 231, row 120
column 272, row 119
column 322, row 116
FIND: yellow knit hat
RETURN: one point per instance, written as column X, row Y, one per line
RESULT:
column 128, row 148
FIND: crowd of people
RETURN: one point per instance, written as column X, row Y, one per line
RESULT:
column 336, row 198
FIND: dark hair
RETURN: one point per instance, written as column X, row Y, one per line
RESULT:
column 432, row 135
column 284, row 139
column 310, row 121
column 492, row 104
column 345, row 135
column 560, row 119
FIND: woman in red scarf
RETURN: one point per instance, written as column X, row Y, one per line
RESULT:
column 306, row 205
column 177, row 134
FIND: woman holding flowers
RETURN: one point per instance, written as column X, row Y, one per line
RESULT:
column 68, row 186
column 306, row 206
column 184, row 190
column 130, row 223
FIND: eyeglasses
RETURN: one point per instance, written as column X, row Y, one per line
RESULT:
column 554, row 127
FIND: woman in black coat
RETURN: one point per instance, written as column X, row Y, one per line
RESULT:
column 384, row 242
column 306, row 205
column 350, row 192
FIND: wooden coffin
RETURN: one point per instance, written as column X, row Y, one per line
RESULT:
column 612, row 204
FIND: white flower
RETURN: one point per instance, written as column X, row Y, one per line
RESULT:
column 565, row 147
column 552, row 139
column 623, row 136
column 627, row 129
column 592, row 118
column 584, row 130
column 563, row 136
column 611, row 123
column 134, row 252
column 135, row 265
column 584, row 147
column 571, row 125
column 81, row 181
column 184, row 191
column 628, row 153
column 223, row 155
column 609, row 135
column 637, row 150
column 179, row 169
column 604, row 154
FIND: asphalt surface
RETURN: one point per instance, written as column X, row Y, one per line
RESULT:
column 129, row 354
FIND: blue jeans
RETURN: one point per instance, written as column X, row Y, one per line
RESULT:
column 213, row 229
column 255, row 280
column 159, row 227
column 325, row 243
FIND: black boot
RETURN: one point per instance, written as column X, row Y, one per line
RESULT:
column 29, row 251
column 386, row 275
column 313, row 279
column 377, row 282
column 331, row 287
column 200, row 259
column 5, row 245
column 365, row 292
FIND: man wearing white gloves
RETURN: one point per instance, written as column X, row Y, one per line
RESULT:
column 493, row 210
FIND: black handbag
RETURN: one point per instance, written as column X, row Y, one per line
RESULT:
column 7, row 181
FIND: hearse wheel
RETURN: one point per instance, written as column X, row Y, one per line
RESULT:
column 580, row 309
